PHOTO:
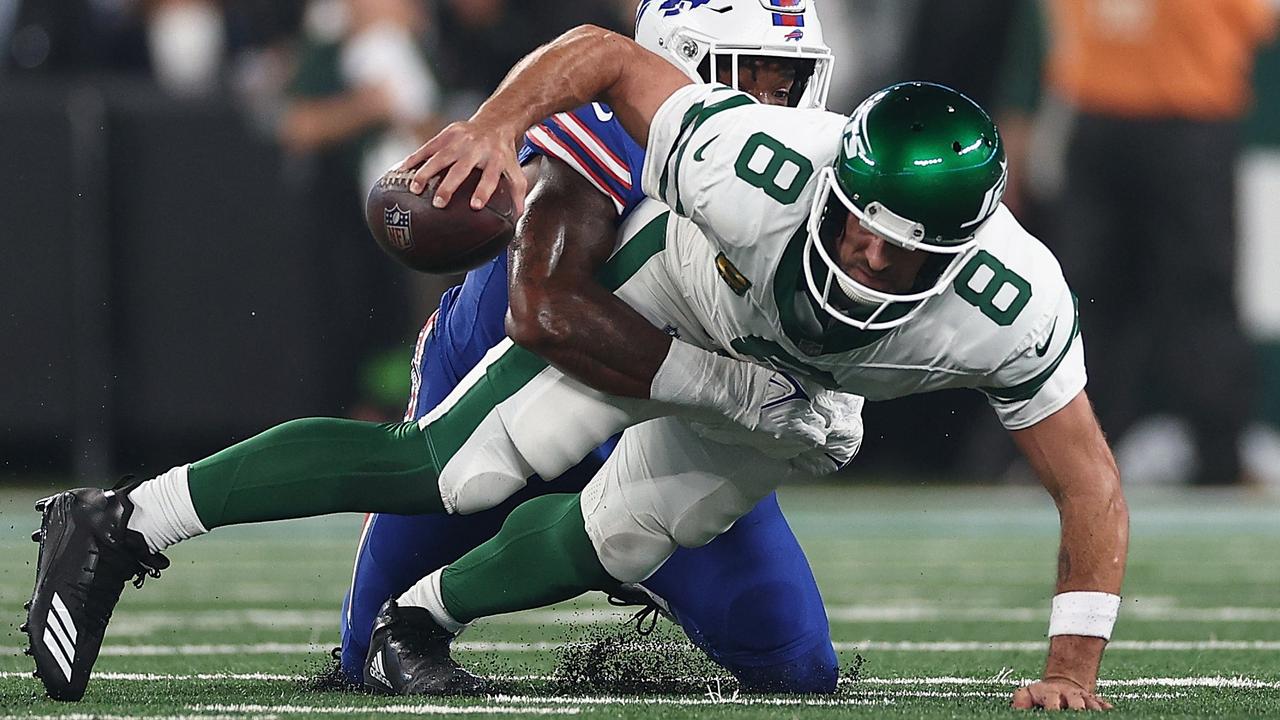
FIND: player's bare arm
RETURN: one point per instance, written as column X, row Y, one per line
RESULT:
column 558, row 308
column 1069, row 454
column 587, row 63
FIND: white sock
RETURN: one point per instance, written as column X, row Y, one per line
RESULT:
column 162, row 510
column 426, row 594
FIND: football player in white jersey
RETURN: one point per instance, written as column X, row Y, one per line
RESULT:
column 867, row 253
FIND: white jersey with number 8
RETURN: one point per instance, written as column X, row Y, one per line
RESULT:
column 744, row 176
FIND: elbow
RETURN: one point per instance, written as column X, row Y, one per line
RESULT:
column 592, row 34
column 606, row 43
column 537, row 325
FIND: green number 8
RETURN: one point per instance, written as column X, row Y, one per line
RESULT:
column 781, row 158
column 984, row 299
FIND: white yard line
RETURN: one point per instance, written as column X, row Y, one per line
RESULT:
column 688, row 701
column 1040, row 645
column 1215, row 681
column 99, row 716
column 1130, row 611
column 134, row 624
column 385, row 709
column 849, row 646
column 155, row 677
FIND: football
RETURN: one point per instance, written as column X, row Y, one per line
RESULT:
column 451, row 239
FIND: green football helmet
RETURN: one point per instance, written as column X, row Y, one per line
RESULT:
column 922, row 166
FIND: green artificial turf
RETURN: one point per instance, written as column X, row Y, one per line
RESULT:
column 942, row 592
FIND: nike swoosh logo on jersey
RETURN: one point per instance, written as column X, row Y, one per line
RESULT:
column 1042, row 349
column 601, row 114
column 697, row 154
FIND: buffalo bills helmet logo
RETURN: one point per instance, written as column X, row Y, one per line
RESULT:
column 669, row 7
column 796, row 35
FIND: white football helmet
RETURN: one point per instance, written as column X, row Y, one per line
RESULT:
column 699, row 36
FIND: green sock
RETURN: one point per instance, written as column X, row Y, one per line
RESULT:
column 317, row 466
column 541, row 556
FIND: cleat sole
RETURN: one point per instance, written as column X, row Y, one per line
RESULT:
column 37, row 536
column 26, row 605
column 23, row 628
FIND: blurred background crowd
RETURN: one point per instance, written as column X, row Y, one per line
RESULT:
column 186, row 260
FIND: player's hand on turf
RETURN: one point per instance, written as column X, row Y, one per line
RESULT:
column 462, row 147
column 843, row 413
column 1057, row 694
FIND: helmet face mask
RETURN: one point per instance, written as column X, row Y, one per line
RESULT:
column 701, row 40
column 922, row 167
column 735, row 60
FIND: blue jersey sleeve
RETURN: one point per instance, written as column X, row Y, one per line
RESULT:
column 592, row 142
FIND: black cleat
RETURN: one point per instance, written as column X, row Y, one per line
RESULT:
column 409, row 655
column 651, row 607
column 87, row 554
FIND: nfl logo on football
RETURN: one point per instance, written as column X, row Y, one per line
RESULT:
column 397, row 222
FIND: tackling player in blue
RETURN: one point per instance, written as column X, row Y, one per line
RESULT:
column 748, row 599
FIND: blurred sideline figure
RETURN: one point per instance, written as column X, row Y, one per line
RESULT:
column 361, row 93
column 1145, row 223
column 362, row 79
column 186, row 40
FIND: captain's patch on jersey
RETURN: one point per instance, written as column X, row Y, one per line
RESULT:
column 733, row 277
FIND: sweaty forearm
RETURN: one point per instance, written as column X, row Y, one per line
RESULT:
column 1095, row 542
column 1091, row 558
column 584, row 64
column 559, row 309
column 596, row 338
column 571, row 70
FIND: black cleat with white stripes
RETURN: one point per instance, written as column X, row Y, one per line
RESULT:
column 87, row 554
column 409, row 655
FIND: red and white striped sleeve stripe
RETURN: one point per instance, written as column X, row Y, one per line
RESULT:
column 598, row 150
column 552, row 146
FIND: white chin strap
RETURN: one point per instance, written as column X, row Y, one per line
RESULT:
column 893, row 228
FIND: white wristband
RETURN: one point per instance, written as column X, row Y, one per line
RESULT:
column 1092, row 614
column 695, row 378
